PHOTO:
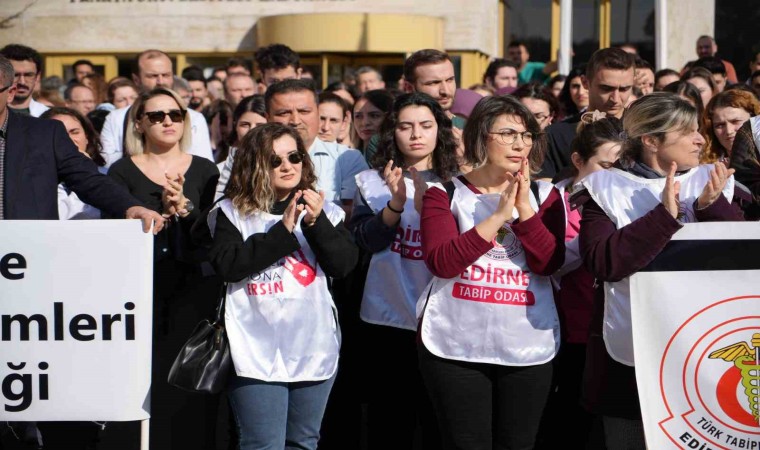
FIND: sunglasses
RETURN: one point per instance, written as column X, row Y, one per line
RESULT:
column 293, row 158
column 6, row 88
column 175, row 115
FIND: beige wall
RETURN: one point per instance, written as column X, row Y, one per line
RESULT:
column 184, row 26
column 686, row 21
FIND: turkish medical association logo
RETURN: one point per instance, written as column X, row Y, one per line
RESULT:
column 710, row 378
column 505, row 245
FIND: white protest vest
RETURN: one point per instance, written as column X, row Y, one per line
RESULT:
column 625, row 197
column 282, row 322
column 754, row 123
column 496, row 311
column 397, row 275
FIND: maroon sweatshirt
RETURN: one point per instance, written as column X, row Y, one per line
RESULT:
column 448, row 252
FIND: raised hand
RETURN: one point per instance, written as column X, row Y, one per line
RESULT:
column 670, row 193
column 292, row 212
column 714, row 187
column 507, row 199
column 420, row 187
column 394, row 179
column 313, row 207
column 522, row 202
column 173, row 197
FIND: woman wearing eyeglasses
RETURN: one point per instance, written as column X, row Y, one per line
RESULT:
column 160, row 173
column 489, row 328
column 276, row 242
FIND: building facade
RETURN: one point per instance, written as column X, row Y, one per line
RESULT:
column 336, row 36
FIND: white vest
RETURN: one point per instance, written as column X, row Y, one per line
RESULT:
column 496, row 311
column 625, row 197
column 397, row 275
column 282, row 322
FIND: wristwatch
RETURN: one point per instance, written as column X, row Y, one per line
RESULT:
column 189, row 207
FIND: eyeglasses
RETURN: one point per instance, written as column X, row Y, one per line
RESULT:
column 293, row 158
column 175, row 115
column 509, row 137
column 6, row 88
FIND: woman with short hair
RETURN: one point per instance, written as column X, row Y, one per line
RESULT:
column 122, row 92
column 489, row 327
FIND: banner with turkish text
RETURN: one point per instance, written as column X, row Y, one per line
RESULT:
column 75, row 320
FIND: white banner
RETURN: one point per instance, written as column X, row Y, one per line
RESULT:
column 75, row 320
column 696, row 331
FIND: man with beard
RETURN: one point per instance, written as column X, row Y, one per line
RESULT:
column 27, row 63
column 430, row 71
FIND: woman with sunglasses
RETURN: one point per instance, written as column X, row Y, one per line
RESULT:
column 160, row 173
column 276, row 241
column 489, row 328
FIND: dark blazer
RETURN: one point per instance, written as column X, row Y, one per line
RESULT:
column 38, row 156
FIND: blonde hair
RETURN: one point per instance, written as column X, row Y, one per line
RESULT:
column 134, row 141
column 654, row 115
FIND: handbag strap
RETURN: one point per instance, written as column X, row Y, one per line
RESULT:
column 219, row 318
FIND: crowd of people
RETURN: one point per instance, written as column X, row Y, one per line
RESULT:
column 417, row 266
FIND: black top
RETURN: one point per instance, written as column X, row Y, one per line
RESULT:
column 235, row 259
column 369, row 231
column 200, row 184
column 39, row 155
column 560, row 137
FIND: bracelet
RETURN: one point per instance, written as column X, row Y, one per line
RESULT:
column 388, row 205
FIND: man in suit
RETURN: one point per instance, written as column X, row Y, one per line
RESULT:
column 34, row 155
column 40, row 152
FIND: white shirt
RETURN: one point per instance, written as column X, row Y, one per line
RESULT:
column 334, row 164
column 112, row 136
column 36, row 108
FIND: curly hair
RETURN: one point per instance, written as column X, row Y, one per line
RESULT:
column 478, row 129
column 443, row 159
column 733, row 98
column 250, row 186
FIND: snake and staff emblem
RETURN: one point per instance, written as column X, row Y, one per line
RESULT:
column 746, row 358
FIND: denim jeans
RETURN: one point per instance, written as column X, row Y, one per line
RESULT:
column 273, row 416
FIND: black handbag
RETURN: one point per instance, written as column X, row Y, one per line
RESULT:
column 203, row 363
